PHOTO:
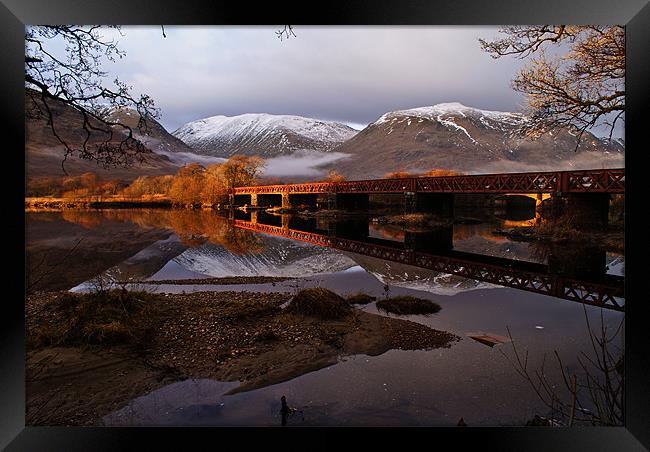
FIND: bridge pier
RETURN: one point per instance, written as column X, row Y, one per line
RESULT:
column 286, row 201
column 580, row 210
column 331, row 201
column 438, row 203
column 254, row 199
column 353, row 201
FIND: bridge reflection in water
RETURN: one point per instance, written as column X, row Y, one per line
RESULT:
column 433, row 250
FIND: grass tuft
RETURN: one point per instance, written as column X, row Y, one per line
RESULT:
column 361, row 298
column 106, row 317
column 320, row 303
column 407, row 305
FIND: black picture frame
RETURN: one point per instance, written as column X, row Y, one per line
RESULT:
column 15, row 14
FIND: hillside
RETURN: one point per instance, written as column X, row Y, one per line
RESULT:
column 44, row 154
column 454, row 136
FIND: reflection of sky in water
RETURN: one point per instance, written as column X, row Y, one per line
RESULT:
column 436, row 387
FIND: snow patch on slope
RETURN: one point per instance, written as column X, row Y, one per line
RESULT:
column 445, row 114
column 258, row 125
column 449, row 123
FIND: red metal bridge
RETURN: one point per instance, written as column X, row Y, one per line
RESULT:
column 606, row 292
column 583, row 181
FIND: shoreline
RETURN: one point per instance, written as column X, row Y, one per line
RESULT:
column 226, row 336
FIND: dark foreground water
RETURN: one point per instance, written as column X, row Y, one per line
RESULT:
column 470, row 380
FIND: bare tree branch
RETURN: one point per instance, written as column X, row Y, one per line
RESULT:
column 74, row 78
column 581, row 89
column 598, row 384
column 285, row 33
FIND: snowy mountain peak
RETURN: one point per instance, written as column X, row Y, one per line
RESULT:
column 262, row 134
column 438, row 111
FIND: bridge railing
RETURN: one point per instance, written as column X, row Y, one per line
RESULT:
column 581, row 181
column 594, row 181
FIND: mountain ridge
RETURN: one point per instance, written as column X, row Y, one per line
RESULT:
column 467, row 139
column 262, row 134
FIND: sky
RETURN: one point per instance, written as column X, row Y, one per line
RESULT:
column 351, row 75
column 347, row 74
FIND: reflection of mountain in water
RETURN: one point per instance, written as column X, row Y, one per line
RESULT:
column 410, row 277
column 280, row 257
column 148, row 260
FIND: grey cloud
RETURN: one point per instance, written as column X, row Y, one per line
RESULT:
column 347, row 74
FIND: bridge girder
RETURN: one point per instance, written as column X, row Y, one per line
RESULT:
column 583, row 181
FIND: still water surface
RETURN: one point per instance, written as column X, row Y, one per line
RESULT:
column 436, row 387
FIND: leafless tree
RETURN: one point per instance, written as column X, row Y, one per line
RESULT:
column 582, row 88
column 74, row 77
column 595, row 392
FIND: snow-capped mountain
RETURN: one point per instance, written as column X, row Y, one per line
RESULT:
column 454, row 136
column 262, row 134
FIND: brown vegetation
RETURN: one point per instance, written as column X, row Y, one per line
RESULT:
column 407, row 305
column 398, row 175
column 87, row 184
column 192, row 185
column 361, row 298
column 563, row 230
column 334, row 176
column 320, row 303
column 617, row 209
column 431, row 173
column 103, row 317
column 442, row 172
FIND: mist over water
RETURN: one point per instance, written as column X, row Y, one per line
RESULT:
column 184, row 158
column 582, row 161
column 302, row 163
